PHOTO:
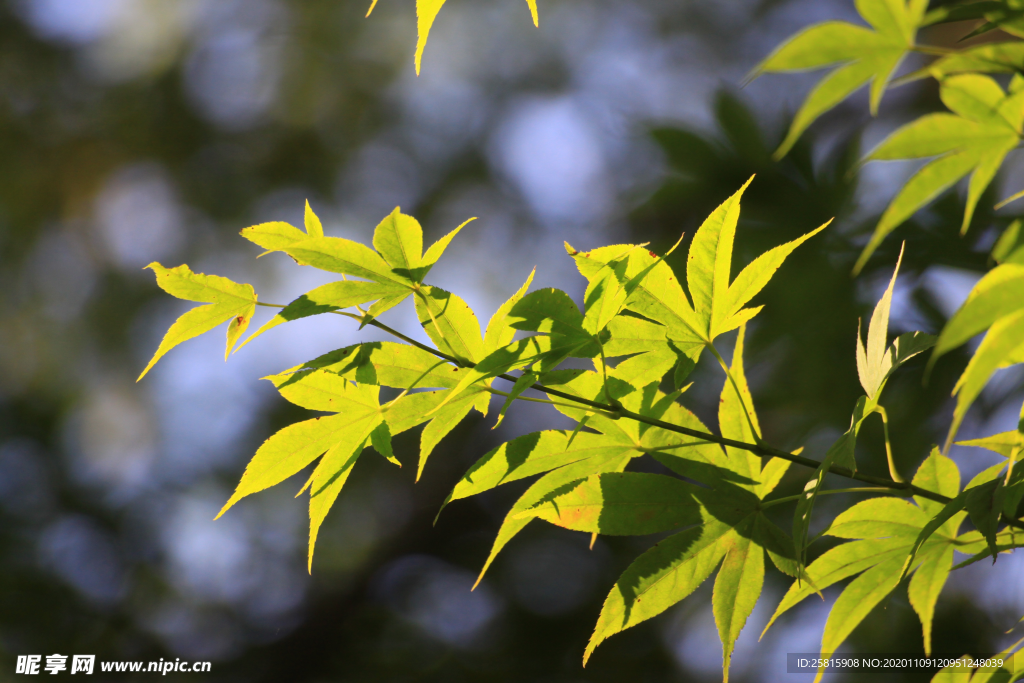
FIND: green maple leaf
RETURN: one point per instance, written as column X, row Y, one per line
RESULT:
column 862, row 54
column 731, row 534
column 650, row 288
column 985, row 124
column 226, row 300
column 995, row 304
column 395, row 268
column 882, row 532
column 426, row 12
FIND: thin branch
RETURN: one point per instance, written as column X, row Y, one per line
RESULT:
column 763, row 450
column 827, row 492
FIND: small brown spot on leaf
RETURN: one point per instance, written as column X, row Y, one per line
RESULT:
column 240, row 320
column 653, row 255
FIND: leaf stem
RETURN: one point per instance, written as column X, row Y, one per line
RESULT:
column 860, row 489
column 933, row 50
column 893, row 472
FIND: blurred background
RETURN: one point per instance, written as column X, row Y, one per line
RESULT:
column 134, row 131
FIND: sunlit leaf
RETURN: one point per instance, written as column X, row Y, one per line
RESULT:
column 442, row 422
column 399, row 240
column 1010, row 246
column 862, row 54
column 226, row 300
column 737, row 588
column 551, row 484
column 856, row 602
column 333, row 296
column 984, row 127
column 1003, row 443
column 873, row 363
column 332, row 473
column 450, row 323
column 529, row 455
column 717, row 303
column 622, row 504
column 661, row 577
column 314, row 228
column 499, row 332
column 525, row 381
column 274, row 236
column 337, row 255
column 999, row 293
column 737, row 419
column 989, row 58
column 1004, row 338
column 842, row 453
column 925, row 586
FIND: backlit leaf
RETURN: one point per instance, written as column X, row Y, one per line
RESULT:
column 856, row 602
column 842, row 453
column 333, row 296
column 987, row 58
column 337, row 255
column 399, row 240
column 529, row 455
column 274, row 236
column 312, row 222
column 294, row 447
column 553, row 483
column 1003, row 339
column 1003, row 443
column 925, row 586
column 499, row 333
column 622, row 504
column 862, row 55
column 333, row 471
column 450, row 323
column 999, row 293
column 717, row 303
column 985, row 127
column 444, row 420
column 737, row 588
column 226, row 300
column 661, row 577
column 525, row 381
column 1010, row 246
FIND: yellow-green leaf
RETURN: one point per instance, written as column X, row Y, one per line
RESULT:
column 999, row 293
column 622, row 504
column 333, row 296
column 331, row 474
column 985, row 127
column 862, row 55
column 291, row 449
column 661, row 577
column 737, row 589
column 274, row 236
column 337, row 255
column 499, row 333
column 227, row 301
column 1003, row 443
column 450, row 323
column 399, row 239
column 442, row 422
column 314, row 228
column 1004, row 338
column 551, row 484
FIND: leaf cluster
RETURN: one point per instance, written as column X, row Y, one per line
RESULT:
column 640, row 330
